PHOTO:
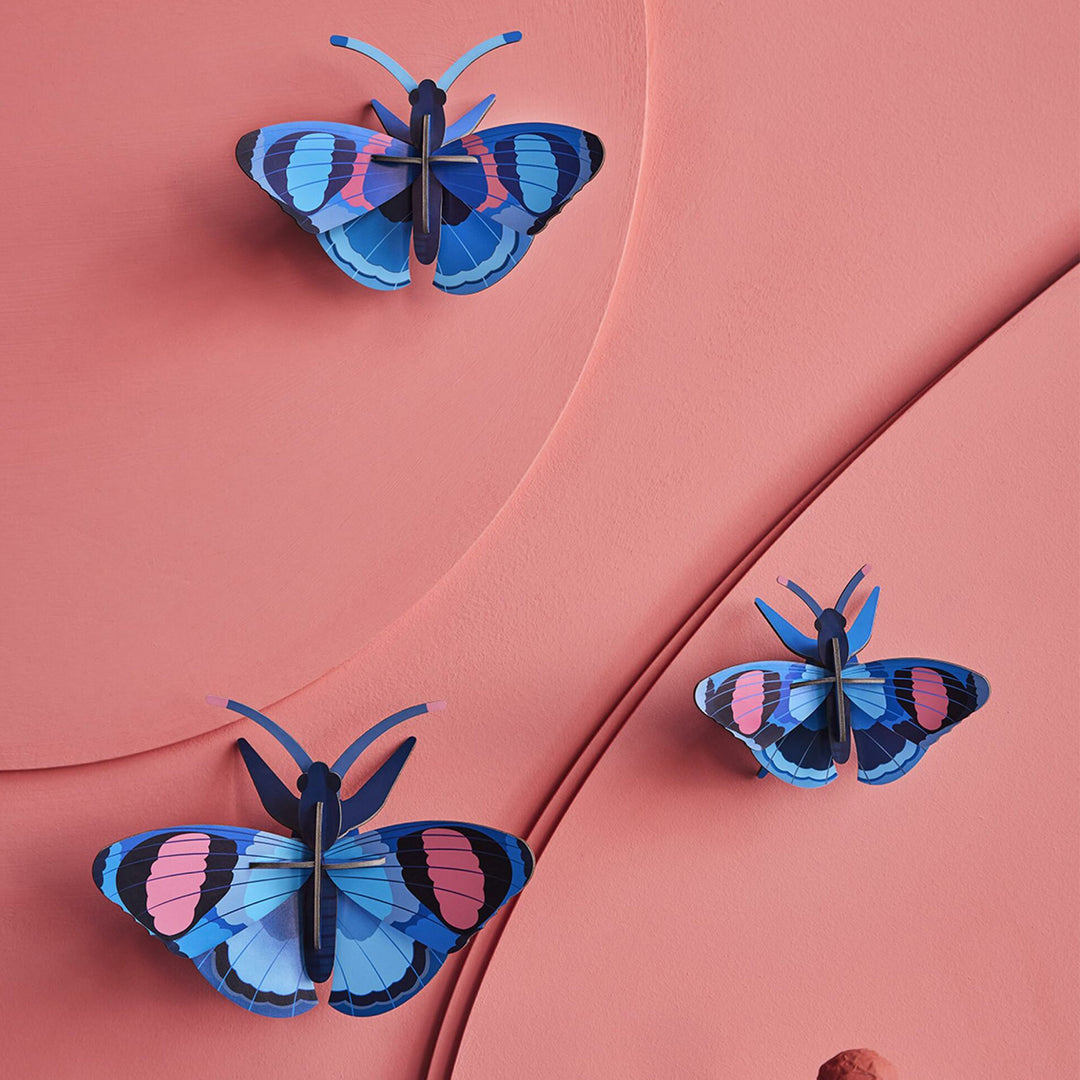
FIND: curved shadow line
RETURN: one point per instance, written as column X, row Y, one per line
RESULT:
column 470, row 975
column 443, row 1048
column 499, row 512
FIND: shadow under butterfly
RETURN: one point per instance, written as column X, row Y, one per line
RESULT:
column 264, row 917
column 471, row 202
column 799, row 719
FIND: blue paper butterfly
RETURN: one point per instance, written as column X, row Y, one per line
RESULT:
column 265, row 917
column 798, row 719
column 472, row 201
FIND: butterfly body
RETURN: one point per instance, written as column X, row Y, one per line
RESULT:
column 265, row 917
column 469, row 202
column 801, row 719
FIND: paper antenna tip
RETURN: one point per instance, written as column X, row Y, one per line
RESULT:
column 512, row 35
column 782, row 581
column 866, row 568
column 218, row 702
column 436, row 706
column 338, row 39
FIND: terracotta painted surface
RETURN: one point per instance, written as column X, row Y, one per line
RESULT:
column 236, row 467
column 231, row 471
column 928, row 917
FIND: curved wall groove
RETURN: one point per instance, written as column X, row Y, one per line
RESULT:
column 761, row 846
column 826, row 210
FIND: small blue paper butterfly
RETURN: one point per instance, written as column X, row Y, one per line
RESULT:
column 265, row 917
column 473, row 202
column 798, row 719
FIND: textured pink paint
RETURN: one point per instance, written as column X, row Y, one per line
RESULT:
column 228, row 468
column 931, row 700
column 672, row 818
column 455, row 874
column 218, row 448
column 176, row 875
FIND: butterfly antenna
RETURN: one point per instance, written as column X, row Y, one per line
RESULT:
column 449, row 76
column 851, row 586
column 378, row 56
column 296, row 751
column 349, row 756
column 802, row 594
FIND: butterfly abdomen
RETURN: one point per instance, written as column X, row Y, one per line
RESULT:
column 318, row 962
column 426, row 244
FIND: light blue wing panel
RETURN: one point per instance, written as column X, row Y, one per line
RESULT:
column 376, row 966
column 525, row 173
column 783, row 722
column 895, row 722
column 322, row 173
column 464, row 124
column 261, row 968
column 195, row 886
column 863, row 626
column 474, row 253
column 792, row 637
column 374, row 249
column 802, row 757
column 438, row 881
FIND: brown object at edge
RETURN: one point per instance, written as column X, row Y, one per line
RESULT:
column 858, row 1065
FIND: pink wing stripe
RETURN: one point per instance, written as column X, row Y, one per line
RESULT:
column 457, row 879
column 752, row 685
column 176, row 876
column 928, row 690
column 353, row 191
column 497, row 194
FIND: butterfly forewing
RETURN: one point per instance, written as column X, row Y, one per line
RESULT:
column 896, row 720
column 322, row 173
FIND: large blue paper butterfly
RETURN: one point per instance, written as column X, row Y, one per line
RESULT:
column 799, row 718
column 265, row 917
column 473, row 202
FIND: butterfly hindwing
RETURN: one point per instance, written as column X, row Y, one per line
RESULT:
column 193, row 887
column 374, row 249
column 525, row 174
column 322, row 173
column 437, row 884
column 896, row 721
column 376, row 966
column 474, row 251
column 261, row 968
column 782, row 722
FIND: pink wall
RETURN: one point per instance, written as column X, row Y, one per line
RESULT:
column 228, row 470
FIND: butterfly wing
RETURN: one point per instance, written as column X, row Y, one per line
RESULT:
column 261, row 968
column 215, row 895
column 474, row 251
column 895, row 721
column 526, row 173
column 783, row 721
column 376, row 966
column 322, row 173
column 373, row 250
column 438, row 883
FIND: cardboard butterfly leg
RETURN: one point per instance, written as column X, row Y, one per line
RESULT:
column 800, row 719
column 264, row 917
column 469, row 202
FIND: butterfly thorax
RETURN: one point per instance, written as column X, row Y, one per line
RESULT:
column 427, row 102
column 831, row 628
column 832, row 654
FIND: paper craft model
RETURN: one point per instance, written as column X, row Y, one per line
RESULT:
column 470, row 202
column 799, row 718
column 264, row 917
